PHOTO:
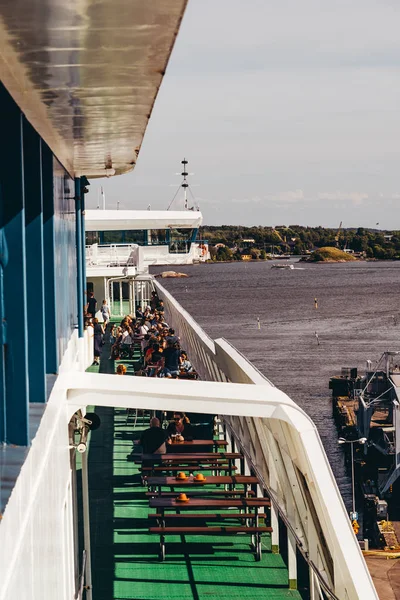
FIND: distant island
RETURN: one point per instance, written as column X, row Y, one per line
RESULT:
column 329, row 255
column 231, row 242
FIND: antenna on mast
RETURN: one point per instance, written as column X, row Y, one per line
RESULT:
column 103, row 197
column 185, row 184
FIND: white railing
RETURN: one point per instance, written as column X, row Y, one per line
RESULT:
column 111, row 255
column 288, row 456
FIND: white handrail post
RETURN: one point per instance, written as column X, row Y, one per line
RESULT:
column 130, row 297
column 275, row 530
column 111, row 283
column 86, row 525
column 313, row 591
column 292, row 560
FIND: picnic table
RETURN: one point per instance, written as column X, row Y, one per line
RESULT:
column 210, row 504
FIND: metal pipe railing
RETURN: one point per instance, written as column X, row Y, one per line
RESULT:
column 282, row 515
column 79, row 596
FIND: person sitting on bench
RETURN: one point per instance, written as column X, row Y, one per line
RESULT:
column 180, row 426
column 153, row 439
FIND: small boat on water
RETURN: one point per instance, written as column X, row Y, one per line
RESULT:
column 287, row 266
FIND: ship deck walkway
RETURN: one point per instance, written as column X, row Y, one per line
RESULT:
column 125, row 556
column 125, row 560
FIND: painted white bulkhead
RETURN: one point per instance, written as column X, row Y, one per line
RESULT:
column 38, row 557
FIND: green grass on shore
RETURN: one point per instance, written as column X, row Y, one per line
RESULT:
column 330, row 255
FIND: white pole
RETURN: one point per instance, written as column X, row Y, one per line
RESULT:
column 292, row 561
column 134, row 297
column 105, row 289
column 112, row 296
column 121, row 308
column 86, row 525
column 352, row 477
column 142, row 294
column 275, row 530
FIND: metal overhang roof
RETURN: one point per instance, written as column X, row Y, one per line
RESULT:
column 86, row 73
column 118, row 220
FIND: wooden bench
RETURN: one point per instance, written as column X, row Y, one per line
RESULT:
column 255, row 533
column 205, row 516
column 210, row 467
column 203, row 493
column 191, row 456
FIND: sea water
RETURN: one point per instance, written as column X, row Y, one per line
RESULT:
column 300, row 343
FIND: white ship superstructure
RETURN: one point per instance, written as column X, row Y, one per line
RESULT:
column 78, row 84
column 122, row 244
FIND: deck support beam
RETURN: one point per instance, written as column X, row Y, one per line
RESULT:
column 82, row 228
column 34, row 263
column 14, row 422
column 79, row 261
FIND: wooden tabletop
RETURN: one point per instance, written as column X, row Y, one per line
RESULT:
column 193, row 456
column 208, row 503
column 210, row 479
column 218, row 443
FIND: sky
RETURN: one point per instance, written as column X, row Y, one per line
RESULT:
column 288, row 112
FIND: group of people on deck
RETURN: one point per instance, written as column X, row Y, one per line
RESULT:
column 162, row 353
column 160, row 346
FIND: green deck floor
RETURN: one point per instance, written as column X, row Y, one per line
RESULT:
column 125, row 556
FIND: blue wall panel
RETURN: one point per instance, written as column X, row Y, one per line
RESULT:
column 37, row 268
column 34, row 263
column 14, row 274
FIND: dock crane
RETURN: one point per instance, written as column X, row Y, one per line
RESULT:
column 338, row 233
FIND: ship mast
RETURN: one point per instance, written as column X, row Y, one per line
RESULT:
column 185, row 184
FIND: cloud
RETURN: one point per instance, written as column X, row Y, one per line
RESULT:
column 253, row 200
column 289, row 196
column 355, row 198
column 203, row 200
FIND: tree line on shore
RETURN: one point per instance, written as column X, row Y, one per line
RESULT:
column 259, row 242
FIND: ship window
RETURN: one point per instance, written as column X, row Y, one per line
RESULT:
column 135, row 237
column 158, row 237
column 92, row 237
column 180, row 240
column 113, row 237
